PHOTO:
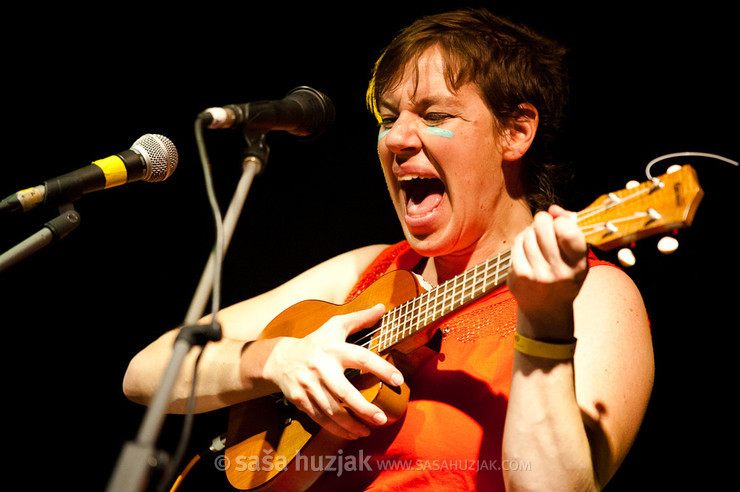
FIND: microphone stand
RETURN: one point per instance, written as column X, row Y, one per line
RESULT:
column 255, row 157
column 54, row 230
column 139, row 459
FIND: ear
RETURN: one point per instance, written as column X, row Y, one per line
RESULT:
column 520, row 133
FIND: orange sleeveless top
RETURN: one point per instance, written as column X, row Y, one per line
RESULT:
column 450, row 436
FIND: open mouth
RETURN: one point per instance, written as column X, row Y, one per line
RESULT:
column 422, row 194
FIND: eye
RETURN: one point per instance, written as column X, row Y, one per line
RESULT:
column 436, row 118
column 387, row 121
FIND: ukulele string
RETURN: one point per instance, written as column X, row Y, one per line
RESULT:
column 367, row 339
column 611, row 202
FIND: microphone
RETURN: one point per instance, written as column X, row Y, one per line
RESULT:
column 304, row 112
column 151, row 158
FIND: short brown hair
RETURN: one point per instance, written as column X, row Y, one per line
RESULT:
column 510, row 64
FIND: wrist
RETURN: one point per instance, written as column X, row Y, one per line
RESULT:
column 545, row 349
column 550, row 327
column 256, row 367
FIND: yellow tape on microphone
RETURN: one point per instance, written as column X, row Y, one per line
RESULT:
column 114, row 170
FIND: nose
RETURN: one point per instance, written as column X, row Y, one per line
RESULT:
column 403, row 137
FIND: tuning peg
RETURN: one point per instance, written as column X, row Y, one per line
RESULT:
column 674, row 168
column 667, row 245
column 626, row 257
column 632, row 184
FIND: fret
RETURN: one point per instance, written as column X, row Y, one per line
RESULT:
column 467, row 285
column 435, row 305
column 374, row 344
column 444, row 294
column 384, row 327
column 480, row 279
column 449, row 291
column 425, row 302
column 403, row 321
column 399, row 327
column 413, row 314
column 455, row 291
column 393, row 327
column 485, row 276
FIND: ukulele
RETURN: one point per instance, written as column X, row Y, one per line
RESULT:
column 269, row 443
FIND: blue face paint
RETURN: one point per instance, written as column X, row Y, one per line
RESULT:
column 440, row 132
column 433, row 130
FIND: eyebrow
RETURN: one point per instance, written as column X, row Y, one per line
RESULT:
column 422, row 103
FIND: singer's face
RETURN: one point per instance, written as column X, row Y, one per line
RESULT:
column 442, row 159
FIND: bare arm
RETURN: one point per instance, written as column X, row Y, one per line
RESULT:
column 223, row 379
column 574, row 421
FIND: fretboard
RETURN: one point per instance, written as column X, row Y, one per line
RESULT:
column 420, row 312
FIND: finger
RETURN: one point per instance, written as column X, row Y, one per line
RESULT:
column 535, row 258
column 353, row 400
column 335, row 389
column 368, row 362
column 546, row 240
column 322, row 407
column 558, row 211
column 334, row 416
column 519, row 264
column 332, row 425
column 365, row 318
column 571, row 240
column 358, row 357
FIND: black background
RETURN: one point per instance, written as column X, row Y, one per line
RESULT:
column 84, row 84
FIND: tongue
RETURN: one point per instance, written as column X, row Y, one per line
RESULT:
column 424, row 196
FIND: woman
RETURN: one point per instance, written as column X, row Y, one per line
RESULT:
column 466, row 104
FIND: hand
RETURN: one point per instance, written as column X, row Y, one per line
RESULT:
column 310, row 373
column 549, row 264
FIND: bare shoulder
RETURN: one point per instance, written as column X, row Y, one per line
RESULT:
column 610, row 286
column 330, row 281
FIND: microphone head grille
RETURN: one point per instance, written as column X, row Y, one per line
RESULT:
column 160, row 155
column 318, row 110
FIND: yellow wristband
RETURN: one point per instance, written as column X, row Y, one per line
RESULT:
column 546, row 350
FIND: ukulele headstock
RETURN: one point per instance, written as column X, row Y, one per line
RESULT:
column 662, row 204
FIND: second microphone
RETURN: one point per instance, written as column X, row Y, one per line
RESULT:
column 304, row 112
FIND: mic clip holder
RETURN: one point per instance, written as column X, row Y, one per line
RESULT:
column 57, row 228
column 200, row 335
column 256, row 149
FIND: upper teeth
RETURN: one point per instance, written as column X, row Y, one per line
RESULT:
column 409, row 177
